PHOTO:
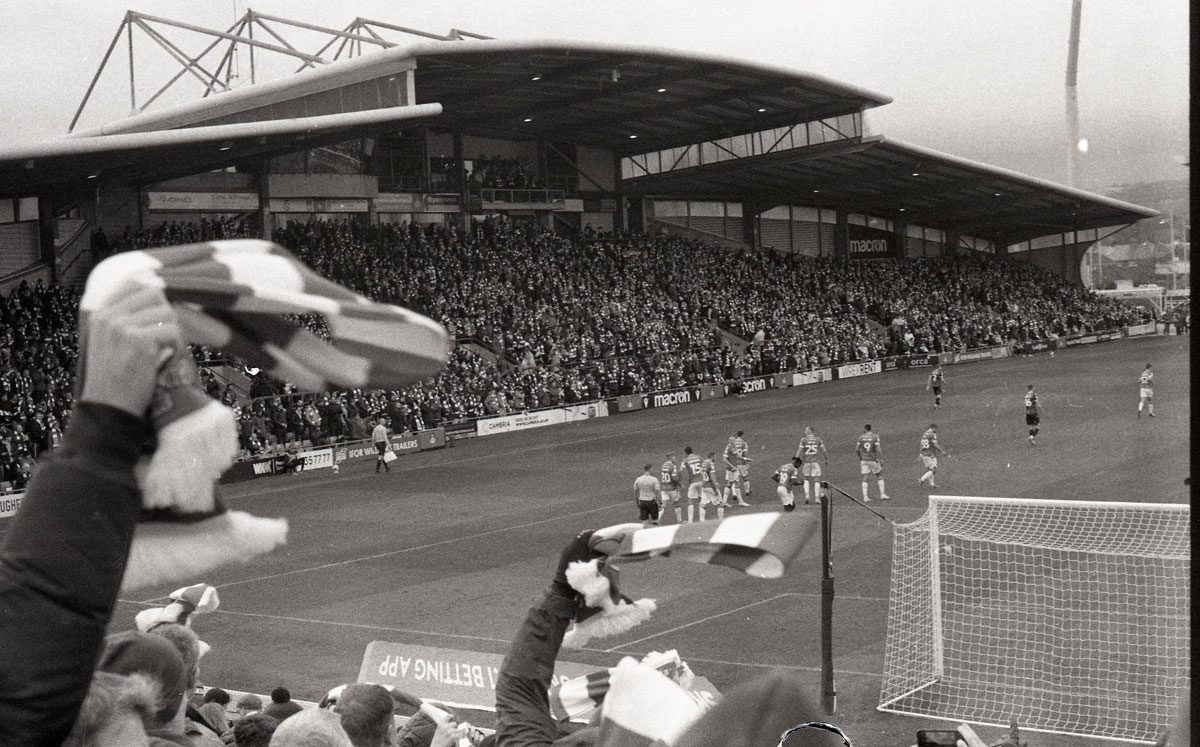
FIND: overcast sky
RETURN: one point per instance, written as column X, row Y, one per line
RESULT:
column 984, row 80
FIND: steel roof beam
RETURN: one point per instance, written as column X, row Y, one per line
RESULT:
column 189, row 64
column 231, row 37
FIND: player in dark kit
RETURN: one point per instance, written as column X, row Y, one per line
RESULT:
column 936, row 380
column 1032, row 414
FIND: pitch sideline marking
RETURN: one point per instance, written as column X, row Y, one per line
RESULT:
column 413, row 631
column 418, row 547
column 703, row 619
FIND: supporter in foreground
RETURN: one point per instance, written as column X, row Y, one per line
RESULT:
column 366, row 715
column 638, row 710
column 63, row 558
column 115, row 711
column 311, row 728
column 281, row 705
column 255, row 730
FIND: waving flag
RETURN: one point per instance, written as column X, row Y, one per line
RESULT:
column 230, row 294
column 759, row 545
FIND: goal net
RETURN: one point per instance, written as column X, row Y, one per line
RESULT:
column 1069, row 616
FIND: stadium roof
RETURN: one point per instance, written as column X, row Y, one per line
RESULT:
column 575, row 92
column 906, row 182
column 146, row 157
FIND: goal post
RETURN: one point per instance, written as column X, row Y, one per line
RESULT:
column 1071, row 617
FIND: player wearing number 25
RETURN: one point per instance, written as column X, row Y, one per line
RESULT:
column 811, row 452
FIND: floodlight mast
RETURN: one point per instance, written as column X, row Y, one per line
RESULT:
column 1074, row 145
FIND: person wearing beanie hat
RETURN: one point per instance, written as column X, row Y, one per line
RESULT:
column 64, row 555
column 281, row 705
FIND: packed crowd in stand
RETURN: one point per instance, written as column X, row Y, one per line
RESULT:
column 546, row 320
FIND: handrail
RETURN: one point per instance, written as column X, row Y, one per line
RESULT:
column 535, row 195
column 73, row 244
column 30, row 269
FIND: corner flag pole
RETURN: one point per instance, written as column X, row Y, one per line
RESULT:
column 828, row 691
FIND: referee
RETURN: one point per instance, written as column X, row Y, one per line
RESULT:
column 380, row 436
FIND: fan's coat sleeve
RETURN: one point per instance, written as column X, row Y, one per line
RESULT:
column 60, row 569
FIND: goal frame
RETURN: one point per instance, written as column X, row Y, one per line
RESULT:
column 936, row 612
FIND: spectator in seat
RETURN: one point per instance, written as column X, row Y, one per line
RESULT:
column 311, row 728
column 281, row 705
column 115, row 711
column 254, row 731
column 248, row 704
column 134, row 652
column 366, row 714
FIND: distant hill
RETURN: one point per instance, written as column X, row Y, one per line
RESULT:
column 1164, row 196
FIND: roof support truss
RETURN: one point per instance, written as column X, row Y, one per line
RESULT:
column 359, row 34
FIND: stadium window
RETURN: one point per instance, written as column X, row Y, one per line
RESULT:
column 670, row 209
column 816, row 133
column 733, row 210
column 828, row 216
column 915, row 232
column 857, row 219
column 802, row 214
column 8, row 211
column 27, row 208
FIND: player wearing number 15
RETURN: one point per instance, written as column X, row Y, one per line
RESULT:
column 929, row 451
column 1146, row 391
column 870, row 451
column 1033, row 414
column 811, row 452
column 693, row 470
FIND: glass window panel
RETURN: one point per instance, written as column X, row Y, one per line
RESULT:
column 915, row 232
column 670, row 208
column 8, row 211
column 857, row 219
column 708, row 209
column 27, row 208
column 829, row 216
column 776, row 213
column 734, row 209
column 815, row 134
column 806, row 214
